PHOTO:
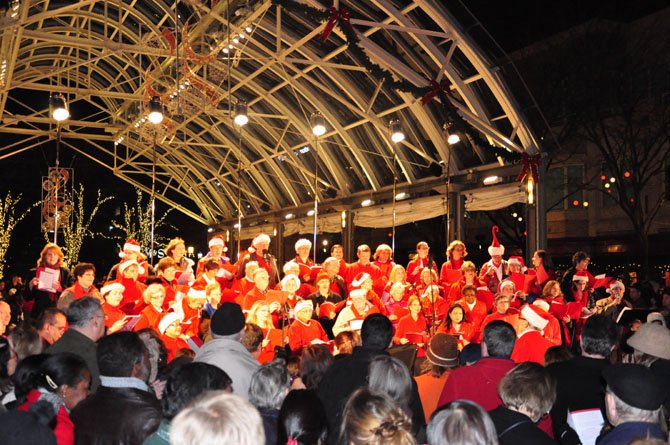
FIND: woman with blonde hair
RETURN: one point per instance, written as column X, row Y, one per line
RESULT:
column 372, row 418
column 259, row 314
column 51, row 264
column 456, row 252
column 151, row 315
column 176, row 249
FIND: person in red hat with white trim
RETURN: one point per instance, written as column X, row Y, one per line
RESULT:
column 304, row 330
column 132, row 251
column 258, row 252
column 359, row 308
column 496, row 267
column 531, row 345
column 132, row 302
column 516, row 264
column 302, row 249
column 217, row 246
column 364, row 281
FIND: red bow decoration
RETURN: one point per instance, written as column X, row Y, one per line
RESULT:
column 436, row 88
column 529, row 164
column 342, row 16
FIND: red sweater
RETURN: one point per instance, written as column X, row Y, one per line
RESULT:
column 478, row 383
column 301, row 334
column 530, row 347
column 64, row 429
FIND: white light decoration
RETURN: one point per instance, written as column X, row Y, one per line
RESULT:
column 367, row 203
column 58, row 106
column 395, row 128
column 318, row 124
column 155, row 110
column 241, row 118
column 489, row 180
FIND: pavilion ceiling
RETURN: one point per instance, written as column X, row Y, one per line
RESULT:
column 109, row 57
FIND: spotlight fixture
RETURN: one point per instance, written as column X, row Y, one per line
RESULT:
column 490, row 180
column 450, row 133
column 289, row 216
column 401, row 195
column 310, row 213
column 397, row 134
column 318, row 124
column 367, row 203
column 58, row 107
column 241, row 118
column 155, row 110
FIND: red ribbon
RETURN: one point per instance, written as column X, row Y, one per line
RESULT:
column 529, row 164
column 340, row 16
column 436, row 89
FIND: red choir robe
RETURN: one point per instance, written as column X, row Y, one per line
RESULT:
column 441, row 307
column 173, row 345
column 385, row 267
column 191, row 322
column 542, row 276
column 132, row 296
column 415, row 267
column 302, row 334
column 530, row 346
column 463, row 333
column 274, row 338
column 511, row 317
column 378, row 278
column 149, row 318
column 498, row 274
column 305, row 268
column 226, row 272
column 241, row 288
column 449, row 265
column 476, row 316
column 455, row 291
column 112, row 314
column 407, row 325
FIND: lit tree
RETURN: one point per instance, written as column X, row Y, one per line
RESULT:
column 77, row 226
column 137, row 223
column 9, row 208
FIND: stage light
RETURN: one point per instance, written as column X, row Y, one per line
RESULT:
column 396, row 131
column 402, row 195
column 450, row 134
column 155, row 110
column 367, row 203
column 318, row 124
column 58, row 106
column 489, row 180
column 241, row 118
column 289, row 216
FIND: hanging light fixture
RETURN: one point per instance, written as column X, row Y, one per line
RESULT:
column 318, row 124
column 395, row 128
column 530, row 189
column 450, row 134
column 58, row 107
column 241, row 117
column 155, row 110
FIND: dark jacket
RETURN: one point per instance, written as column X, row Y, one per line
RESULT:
column 514, row 428
column 344, row 377
column 116, row 416
column 270, row 419
column 77, row 343
column 41, row 299
column 629, row 431
column 579, row 386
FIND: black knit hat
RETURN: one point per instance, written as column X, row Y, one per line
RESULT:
column 227, row 320
column 635, row 385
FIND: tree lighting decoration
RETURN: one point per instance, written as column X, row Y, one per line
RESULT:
column 9, row 208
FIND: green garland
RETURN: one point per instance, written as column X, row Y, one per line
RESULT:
column 361, row 58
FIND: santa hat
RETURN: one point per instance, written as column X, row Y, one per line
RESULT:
column 290, row 277
column 321, row 276
column 496, row 248
column 197, row 292
column 533, row 317
column 126, row 264
column 110, row 287
column 360, row 278
column 260, row 238
column 518, row 261
column 302, row 242
column 542, row 304
column 504, row 283
column 358, row 293
column 130, row 246
column 580, row 275
column 616, row 284
column 218, row 240
column 166, row 321
column 303, row 304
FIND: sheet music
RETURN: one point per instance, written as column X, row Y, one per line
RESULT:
column 48, row 280
column 587, row 423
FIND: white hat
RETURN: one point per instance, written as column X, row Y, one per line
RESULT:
column 217, row 241
column 260, row 238
column 496, row 248
column 302, row 242
column 303, row 304
column 126, row 264
column 196, row 293
column 112, row 286
column 504, row 283
column 614, row 285
column 541, row 304
column 580, row 276
column 290, row 277
column 358, row 293
column 166, row 321
column 130, row 246
column 360, row 279
column 533, row 317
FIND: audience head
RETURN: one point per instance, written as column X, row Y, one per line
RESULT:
column 528, row 388
column 28, row 428
column 123, row 354
column 252, row 339
column 218, row 417
column 228, row 321
column 498, row 340
column 24, row 378
column 269, row 385
column 557, row 354
column 599, row 336
column 315, row 361
column 188, row 382
column 651, row 342
column 86, row 316
column 461, row 422
column 372, row 418
column 346, row 341
column 632, row 395
column 442, row 354
column 52, row 324
column 156, row 349
column 302, row 419
column 390, row 376
column 67, row 375
column 377, row 332
column 51, row 256
column 24, row 341
column 470, row 354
